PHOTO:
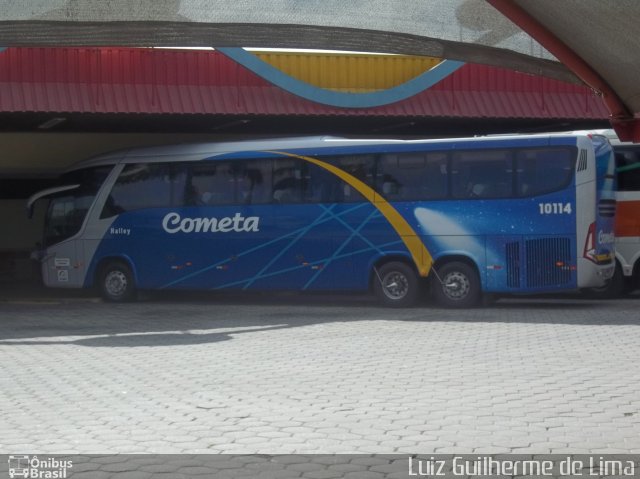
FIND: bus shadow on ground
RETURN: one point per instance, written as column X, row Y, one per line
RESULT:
column 191, row 319
column 361, row 300
column 37, row 294
column 181, row 338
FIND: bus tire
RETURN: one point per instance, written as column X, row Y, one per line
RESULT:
column 396, row 284
column 457, row 285
column 116, row 282
column 615, row 288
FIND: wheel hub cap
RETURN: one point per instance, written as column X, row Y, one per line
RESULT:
column 116, row 283
column 395, row 285
column 456, row 285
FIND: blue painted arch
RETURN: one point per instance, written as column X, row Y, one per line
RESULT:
column 316, row 94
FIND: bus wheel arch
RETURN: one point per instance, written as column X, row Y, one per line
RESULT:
column 395, row 281
column 456, row 282
column 115, row 279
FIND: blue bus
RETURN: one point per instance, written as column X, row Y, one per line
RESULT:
column 459, row 217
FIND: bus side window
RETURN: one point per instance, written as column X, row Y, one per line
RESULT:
column 253, row 181
column 361, row 167
column 412, row 176
column 482, row 174
column 139, row 186
column 542, row 170
column 321, row 186
column 628, row 164
column 211, row 183
column 436, row 178
column 179, row 174
column 288, row 180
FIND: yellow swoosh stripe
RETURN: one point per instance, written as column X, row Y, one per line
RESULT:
column 421, row 256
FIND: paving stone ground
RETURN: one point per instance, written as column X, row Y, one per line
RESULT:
column 316, row 374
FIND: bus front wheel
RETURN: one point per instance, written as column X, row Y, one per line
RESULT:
column 117, row 283
column 457, row 285
column 396, row 284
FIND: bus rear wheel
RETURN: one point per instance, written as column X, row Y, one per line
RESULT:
column 396, row 284
column 116, row 282
column 457, row 285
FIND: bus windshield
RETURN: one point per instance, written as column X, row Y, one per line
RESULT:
column 68, row 209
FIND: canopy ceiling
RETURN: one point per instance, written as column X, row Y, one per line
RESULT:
column 595, row 40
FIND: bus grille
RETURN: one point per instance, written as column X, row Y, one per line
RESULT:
column 607, row 208
column 513, row 264
column 548, row 261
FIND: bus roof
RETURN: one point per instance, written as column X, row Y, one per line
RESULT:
column 195, row 151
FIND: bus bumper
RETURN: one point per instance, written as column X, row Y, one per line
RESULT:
column 606, row 273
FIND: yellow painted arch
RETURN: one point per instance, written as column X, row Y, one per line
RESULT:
column 419, row 253
column 349, row 72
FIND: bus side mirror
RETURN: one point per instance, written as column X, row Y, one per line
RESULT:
column 36, row 254
column 31, row 206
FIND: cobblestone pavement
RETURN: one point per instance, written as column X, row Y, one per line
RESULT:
column 308, row 374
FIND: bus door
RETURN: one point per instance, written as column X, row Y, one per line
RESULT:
column 63, row 263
